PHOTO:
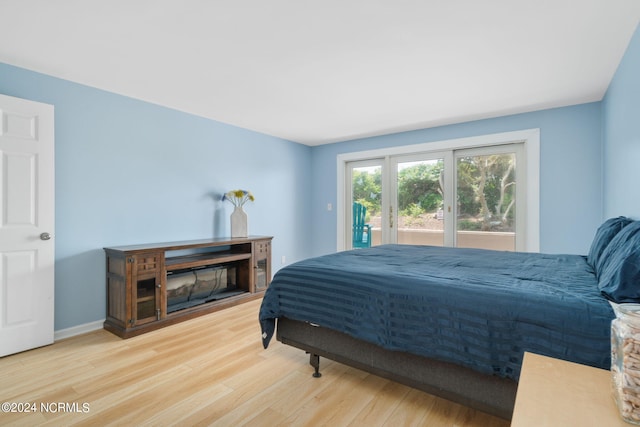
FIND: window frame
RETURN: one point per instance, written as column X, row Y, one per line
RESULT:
column 530, row 138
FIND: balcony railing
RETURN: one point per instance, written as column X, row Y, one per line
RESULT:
column 499, row 241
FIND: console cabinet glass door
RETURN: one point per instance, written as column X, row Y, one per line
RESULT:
column 146, row 282
column 262, row 265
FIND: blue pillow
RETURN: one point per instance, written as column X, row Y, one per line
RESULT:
column 619, row 278
column 604, row 234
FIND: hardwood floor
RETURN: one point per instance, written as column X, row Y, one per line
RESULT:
column 208, row 371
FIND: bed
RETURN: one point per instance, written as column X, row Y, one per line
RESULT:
column 455, row 322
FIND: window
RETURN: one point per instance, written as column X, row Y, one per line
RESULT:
column 409, row 193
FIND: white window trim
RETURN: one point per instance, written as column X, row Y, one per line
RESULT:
column 529, row 137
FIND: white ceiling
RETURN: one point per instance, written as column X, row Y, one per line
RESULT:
column 317, row 72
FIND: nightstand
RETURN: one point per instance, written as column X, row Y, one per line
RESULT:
column 553, row 392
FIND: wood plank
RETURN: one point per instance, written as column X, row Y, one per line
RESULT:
column 211, row 370
column 555, row 392
column 187, row 244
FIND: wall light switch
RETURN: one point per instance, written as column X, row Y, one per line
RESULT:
column 329, row 206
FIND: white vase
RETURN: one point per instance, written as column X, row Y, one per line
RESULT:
column 239, row 222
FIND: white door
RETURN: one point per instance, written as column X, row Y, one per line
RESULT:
column 26, row 224
column 403, row 197
column 419, row 190
column 366, row 188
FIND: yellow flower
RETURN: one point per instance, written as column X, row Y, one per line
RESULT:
column 238, row 197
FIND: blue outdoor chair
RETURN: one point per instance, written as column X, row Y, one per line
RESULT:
column 361, row 231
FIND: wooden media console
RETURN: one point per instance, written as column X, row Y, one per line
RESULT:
column 154, row 285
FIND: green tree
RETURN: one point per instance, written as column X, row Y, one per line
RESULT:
column 468, row 202
column 486, row 189
column 367, row 189
column 420, row 185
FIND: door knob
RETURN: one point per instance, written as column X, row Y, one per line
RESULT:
column 45, row 236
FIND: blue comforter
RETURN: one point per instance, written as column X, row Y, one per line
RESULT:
column 477, row 308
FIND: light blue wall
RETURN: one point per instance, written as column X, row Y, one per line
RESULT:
column 131, row 172
column 570, row 175
column 621, row 135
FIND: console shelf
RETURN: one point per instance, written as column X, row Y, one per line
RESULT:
column 155, row 285
column 189, row 261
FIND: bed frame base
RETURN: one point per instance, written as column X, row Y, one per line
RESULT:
column 462, row 385
column 314, row 360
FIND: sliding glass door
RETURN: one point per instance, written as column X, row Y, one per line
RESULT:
column 418, row 199
column 487, row 195
column 364, row 203
column 464, row 198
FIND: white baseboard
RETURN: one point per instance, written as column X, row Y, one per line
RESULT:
column 77, row 330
